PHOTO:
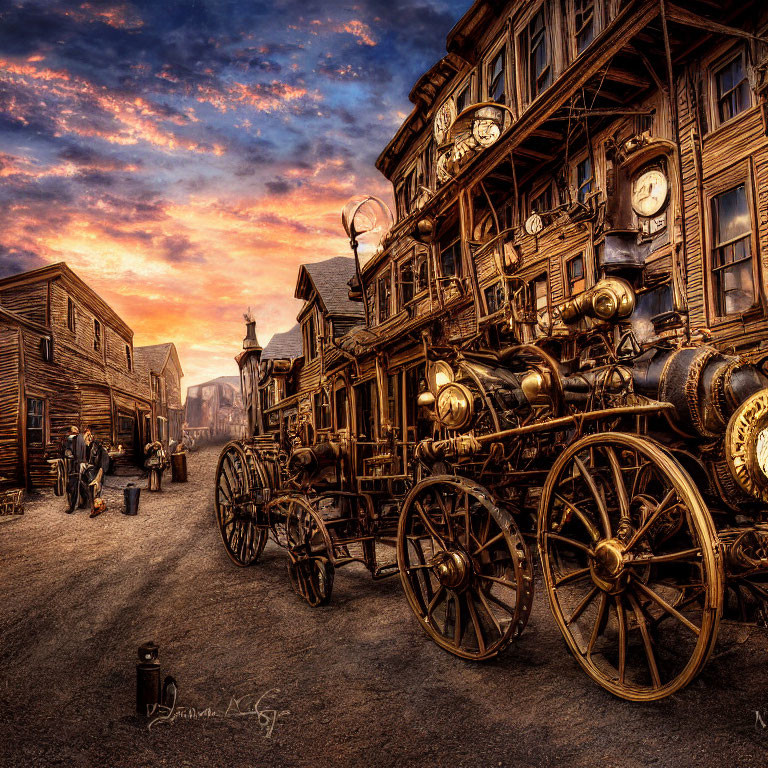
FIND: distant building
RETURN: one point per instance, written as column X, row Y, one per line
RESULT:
column 214, row 409
column 161, row 371
column 66, row 359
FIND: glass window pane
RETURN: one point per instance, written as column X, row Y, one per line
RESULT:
column 738, row 288
column 732, row 215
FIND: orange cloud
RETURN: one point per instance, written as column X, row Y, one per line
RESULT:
column 359, row 30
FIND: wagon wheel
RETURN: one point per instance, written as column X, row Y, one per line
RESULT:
column 235, row 502
column 464, row 566
column 310, row 566
column 632, row 565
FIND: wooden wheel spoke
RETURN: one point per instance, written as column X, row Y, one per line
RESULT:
column 662, row 603
column 582, row 606
column 618, row 479
column 498, row 601
column 441, row 593
column 498, row 537
column 429, row 525
column 570, row 542
column 498, row 580
column 594, row 534
column 598, row 623
column 457, row 623
column 580, row 573
column 476, row 623
column 481, row 596
column 649, row 654
column 622, row 622
column 467, row 522
column 652, row 518
column 595, row 492
column 672, row 557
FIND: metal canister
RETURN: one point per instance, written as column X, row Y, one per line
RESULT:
column 179, row 467
column 131, row 495
column 148, row 679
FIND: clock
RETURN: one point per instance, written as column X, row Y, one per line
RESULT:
column 486, row 132
column 649, row 192
column 443, row 121
column 534, row 224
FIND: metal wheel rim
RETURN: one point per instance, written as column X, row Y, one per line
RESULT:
column 243, row 540
column 474, row 602
column 634, row 600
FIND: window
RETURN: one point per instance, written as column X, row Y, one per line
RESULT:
column 463, row 98
column 583, row 23
column 734, row 286
column 35, row 421
column 494, row 297
column 162, row 429
column 732, row 88
column 322, row 410
column 310, row 337
column 384, row 292
column 407, row 282
column 341, row 408
column 46, row 349
column 540, row 303
column 574, row 273
column 584, row 180
column 497, row 89
column 128, row 358
column 96, row 335
column 70, row 314
column 450, row 252
column 537, row 55
column 421, row 273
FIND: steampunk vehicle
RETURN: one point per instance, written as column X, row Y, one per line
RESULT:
column 560, row 348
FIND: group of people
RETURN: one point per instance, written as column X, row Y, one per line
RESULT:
column 85, row 461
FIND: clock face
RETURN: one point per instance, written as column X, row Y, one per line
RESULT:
column 649, row 192
column 443, row 121
column 486, row 132
column 534, row 224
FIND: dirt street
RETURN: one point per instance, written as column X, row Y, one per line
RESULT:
column 353, row 684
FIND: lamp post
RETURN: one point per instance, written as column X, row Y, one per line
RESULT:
column 365, row 215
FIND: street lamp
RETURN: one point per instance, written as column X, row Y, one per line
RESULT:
column 367, row 216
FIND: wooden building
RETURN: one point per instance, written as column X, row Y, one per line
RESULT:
column 66, row 359
column 161, row 372
column 214, row 410
column 553, row 147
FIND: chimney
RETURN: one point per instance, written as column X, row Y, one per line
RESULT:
column 250, row 341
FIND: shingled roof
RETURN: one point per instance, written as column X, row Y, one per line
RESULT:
column 284, row 346
column 329, row 278
column 153, row 357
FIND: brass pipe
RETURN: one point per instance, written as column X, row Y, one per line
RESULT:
column 567, row 421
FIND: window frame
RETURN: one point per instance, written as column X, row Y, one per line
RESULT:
column 567, row 279
column 310, row 342
column 730, row 179
column 43, row 428
column 591, row 180
column 71, row 315
column 97, row 336
column 384, row 275
column 523, row 50
column 501, row 48
column 129, row 358
column 716, row 64
column 598, row 22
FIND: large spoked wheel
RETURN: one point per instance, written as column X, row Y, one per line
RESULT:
column 464, row 566
column 310, row 567
column 235, row 502
column 632, row 565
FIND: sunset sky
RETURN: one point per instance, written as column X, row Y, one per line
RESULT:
column 185, row 156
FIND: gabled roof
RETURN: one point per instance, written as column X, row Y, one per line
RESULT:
column 284, row 346
column 61, row 271
column 154, row 357
column 329, row 278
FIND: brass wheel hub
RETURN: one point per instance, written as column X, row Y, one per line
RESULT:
column 453, row 569
column 607, row 567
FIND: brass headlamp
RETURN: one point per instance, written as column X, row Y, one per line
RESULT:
column 610, row 299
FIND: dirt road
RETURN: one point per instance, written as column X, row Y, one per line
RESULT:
column 353, row 684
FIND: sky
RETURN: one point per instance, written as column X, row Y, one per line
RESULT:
column 184, row 157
